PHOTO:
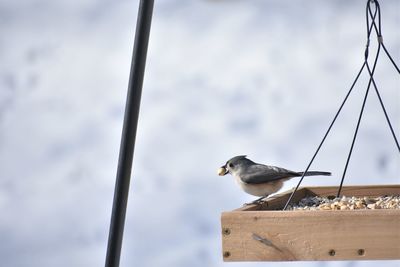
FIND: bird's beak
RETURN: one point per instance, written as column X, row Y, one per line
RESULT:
column 222, row 171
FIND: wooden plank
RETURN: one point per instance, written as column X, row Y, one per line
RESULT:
column 249, row 234
column 310, row 235
column 276, row 201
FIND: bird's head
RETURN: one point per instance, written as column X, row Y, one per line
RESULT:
column 233, row 165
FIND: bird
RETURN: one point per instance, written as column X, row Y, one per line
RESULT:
column 258, row 179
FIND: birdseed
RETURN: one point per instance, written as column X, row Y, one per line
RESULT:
column 346, row 203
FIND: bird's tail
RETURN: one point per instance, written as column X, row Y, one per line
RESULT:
column 313, row 173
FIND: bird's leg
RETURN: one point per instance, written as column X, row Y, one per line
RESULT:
column 258, row 201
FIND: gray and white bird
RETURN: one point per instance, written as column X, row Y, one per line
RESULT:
column 259, row 179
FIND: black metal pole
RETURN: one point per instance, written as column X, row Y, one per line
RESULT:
column 129, row 133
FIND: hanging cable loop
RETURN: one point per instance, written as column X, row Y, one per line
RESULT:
column 370, row 18
column 377, row 11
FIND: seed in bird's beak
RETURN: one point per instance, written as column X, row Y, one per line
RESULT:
column 222, row 171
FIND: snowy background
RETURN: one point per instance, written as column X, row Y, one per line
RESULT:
column 223, row 78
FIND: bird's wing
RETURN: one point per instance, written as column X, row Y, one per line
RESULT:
column 259, row 174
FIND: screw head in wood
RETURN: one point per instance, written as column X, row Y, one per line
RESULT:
column 226, row 231
column 332, row 252
column 361, row 252
column 227, row 254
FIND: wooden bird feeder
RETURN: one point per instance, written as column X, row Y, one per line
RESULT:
column 266, row 233
column 270, row 232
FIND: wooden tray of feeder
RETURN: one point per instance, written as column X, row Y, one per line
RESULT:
column 266, row 233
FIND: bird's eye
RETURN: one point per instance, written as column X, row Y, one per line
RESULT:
column 230, row 165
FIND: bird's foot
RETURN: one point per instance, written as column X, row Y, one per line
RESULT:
column 258, row 201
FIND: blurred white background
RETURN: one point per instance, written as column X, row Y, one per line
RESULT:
column 223, row 78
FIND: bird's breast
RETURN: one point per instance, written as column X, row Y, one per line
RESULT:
column 260, row 190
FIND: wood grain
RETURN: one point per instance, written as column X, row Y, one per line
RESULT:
column 273, row 235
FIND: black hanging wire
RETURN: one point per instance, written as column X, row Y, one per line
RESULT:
column 391, row 59
column 384, row 110
column 370, row 15
column 379, row 30
column 368, row 86
column 381, row 44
